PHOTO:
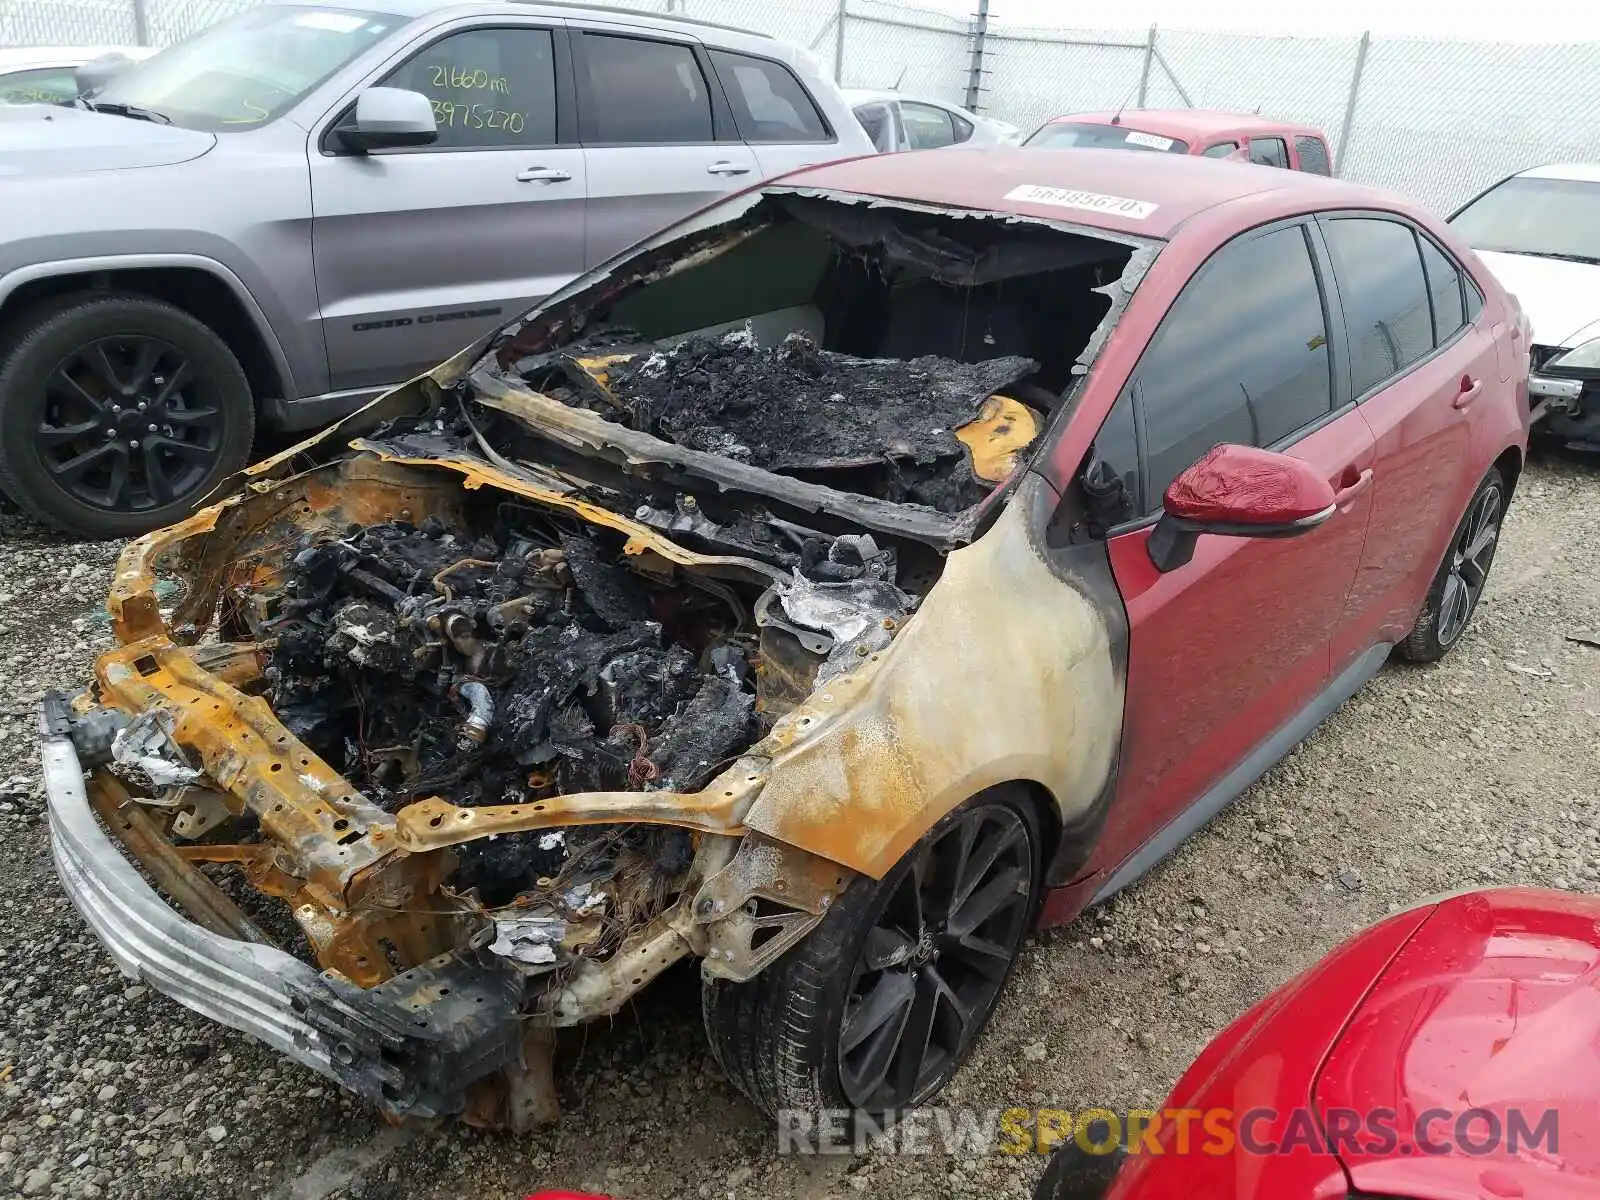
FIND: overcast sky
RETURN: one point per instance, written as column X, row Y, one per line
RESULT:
column 1524, row 21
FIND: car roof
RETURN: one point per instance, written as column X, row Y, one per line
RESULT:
column 854, row 96
column 1178, row 185
column 609, row 12
column 1188, row 123
column 1577, row 172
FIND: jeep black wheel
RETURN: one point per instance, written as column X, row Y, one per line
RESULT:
column 929, row 949
column 118, row 414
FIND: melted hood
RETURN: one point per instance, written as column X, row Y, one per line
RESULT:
column 1493, row 1005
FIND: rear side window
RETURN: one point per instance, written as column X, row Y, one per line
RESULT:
column 878, row 121
column 1446, row 289
column 1221, row 149
column 769, row 103
column 963, row 127
column 644, row 92
column 1385, row 297
column 490, row 88
column 1241, row 357
column 927, row 127
column 1313, row 155
column 1269, row 152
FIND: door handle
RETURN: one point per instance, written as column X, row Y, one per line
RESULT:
column 1346, row 496
column 543, row 175
column 1471, row 389
column 724, row 167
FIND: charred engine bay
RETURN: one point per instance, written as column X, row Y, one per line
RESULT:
column 881, row 427
column 530, row 658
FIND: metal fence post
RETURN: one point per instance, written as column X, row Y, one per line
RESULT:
column 1350, row 107
column 1149, row 61
column 141, row 23
column 980, row 34
column 838, row 48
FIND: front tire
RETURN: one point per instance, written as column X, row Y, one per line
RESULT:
column 1457, row 588
column 117, row 414
column 876, row 1010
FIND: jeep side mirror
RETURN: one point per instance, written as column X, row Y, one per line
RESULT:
column 387, row 118
column 1238, row 491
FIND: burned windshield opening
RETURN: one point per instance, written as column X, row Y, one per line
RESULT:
column 911, row 356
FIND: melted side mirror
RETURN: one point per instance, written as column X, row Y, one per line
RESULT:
column 1238, row 491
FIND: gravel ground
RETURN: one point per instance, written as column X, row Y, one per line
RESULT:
column 1478, row 771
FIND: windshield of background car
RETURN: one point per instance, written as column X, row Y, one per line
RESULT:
column 1089, row 136
column 244, row 72
column 1553, row 218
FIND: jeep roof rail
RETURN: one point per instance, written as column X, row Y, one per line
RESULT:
column 670, row 17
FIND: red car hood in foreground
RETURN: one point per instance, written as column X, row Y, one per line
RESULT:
column 1493, row 1005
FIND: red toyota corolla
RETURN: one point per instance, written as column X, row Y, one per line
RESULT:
column 1450, row 1052
column 827, row 589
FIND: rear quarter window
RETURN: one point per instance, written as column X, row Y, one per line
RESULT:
column 769, row 103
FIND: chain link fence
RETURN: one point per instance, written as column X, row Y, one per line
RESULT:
column 1438, row 120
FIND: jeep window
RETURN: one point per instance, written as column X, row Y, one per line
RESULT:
column 1548, row 218
column 244, row 72
column 43, row 85
column 769, row 103
column 644, row 92
column 1313, row 155
column 1104, row 137
column 489, row 87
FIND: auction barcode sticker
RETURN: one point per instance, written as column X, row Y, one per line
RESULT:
column 1150, row 141
column 1034, row 193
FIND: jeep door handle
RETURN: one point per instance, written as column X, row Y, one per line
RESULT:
column 1471, row 389
column 543, row 175
column 725, row 167
column 1345, row 496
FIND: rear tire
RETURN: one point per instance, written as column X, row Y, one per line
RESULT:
column 118, row 413
column 929, row 947
column 1459, row 584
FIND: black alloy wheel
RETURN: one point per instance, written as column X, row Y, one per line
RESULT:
column 879, row 1005
column 935, row 960
column 118, row 414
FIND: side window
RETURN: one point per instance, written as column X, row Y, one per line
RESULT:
column 1221, row 150
column 1269, row 152
column 963, row 128
column 1313, row 155
column 769, row 103
column 1474, row 299
column 1116, row 446
column 1384, row 294
column 491, row 88
column 47, row 85
column 1445, row 287
column 1242, row 356
column 927, row 127
column 644, row 92
column 878, row 121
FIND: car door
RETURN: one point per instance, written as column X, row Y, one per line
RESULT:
column 773, row 112
column 1228, row 649
column 1419, row 359
column 658, row 138
column 419, row 250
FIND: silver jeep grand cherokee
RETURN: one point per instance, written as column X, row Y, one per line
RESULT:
column 275, row 220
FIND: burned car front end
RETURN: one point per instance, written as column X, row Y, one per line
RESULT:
column 635, row 633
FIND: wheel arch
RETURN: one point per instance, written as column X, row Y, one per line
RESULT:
column 202, row 287
column 1509, row 464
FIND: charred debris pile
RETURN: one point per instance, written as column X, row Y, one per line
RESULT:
column 885, row 427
